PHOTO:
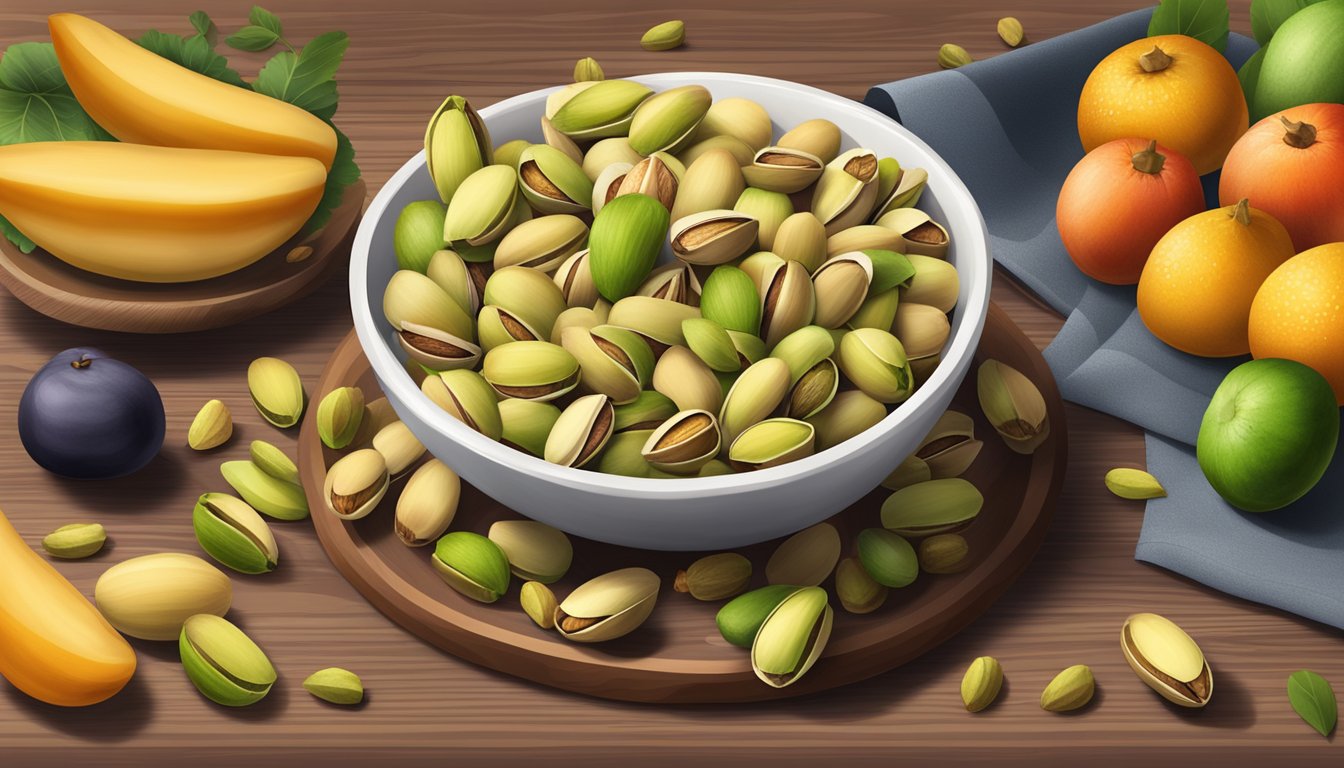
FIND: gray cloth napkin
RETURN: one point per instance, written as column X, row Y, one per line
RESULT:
column 1008, row 126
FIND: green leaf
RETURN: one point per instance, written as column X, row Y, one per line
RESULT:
column 192, row 52
column 205, row 27
column 343, row 173
column 252, row 38
column 1204, row 20
column 1268, row 15
column 263, row 18
column 13, row 235
column 36, row 103
column 1313, row 700
column 304, row 79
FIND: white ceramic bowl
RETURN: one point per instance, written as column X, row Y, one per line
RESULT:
column 694, row 513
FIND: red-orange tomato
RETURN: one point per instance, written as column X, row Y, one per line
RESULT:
column 1291, row 165
column 1118, row 201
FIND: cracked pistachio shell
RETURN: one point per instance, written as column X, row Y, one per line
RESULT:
column 888, row 558
column 847, row 190
column 562, row 95
column 608, row 152
column 507, row 154
column 841, row 286
column 601, row 109
column 919, row 234
column 674, row 282
column 607, row 185
column 536, row 551
column 427, row 504
column 787, row 301
column 472, row 564
column 783, row 170
column 909, row 472
column 944, row 553
column 583, row 429
column 552, row 181
column 673, row 164
column 657, row 320
column 413, row 299
column 224, row 664
column 813, row 391
column 418, row 233
column 234, row 534
column 889, row 175
column 806, row 558
column 539, row 603
column 267, row 494
column 557, row 140
column 946, row 505
column 527, row 294
column 399, row 447
column 356, row 484
column 276, row 391
column 531, row 370
column 542, row 243
column 876, row 362
column 651, row 177
column 623, row 455
column 818, row 137
column 712, row 344
column 467, row 397
column 803, row 349
column 934, row 283
column 770, row 209
column 274, row 462
column 849, row 414
column 75, row 541
column 862, row 237
column 772, row 442
column 626, row 238
column 908, row 189
column 527, row 424
column 449, row 271
column 645, row 412
column 149, row 597
column 950, row 446
column 436, row 350
column 614, row 361
column 686, row 379
column 742, row 152
column 715, row 577
column 750, row 348
column 730, row 298
column 610, row 606
column 758, row 264
column 740, row 618
column 335, row 686
column 497, row 326
column 212, row 427
column 857, row 591
column 1071, row 689
column 792, row 637
column 579, row 317
column 1013, row 405
column 713, row 181
column 713, row 237
column 339, row 415
column 684, row 443
column 457, row 144
column 923, row 330
column 1166, row 659
column 981, row 684
column 740, row 118
column 484, row 207
column 801, row 238
column 756, row 395
column 666, row 121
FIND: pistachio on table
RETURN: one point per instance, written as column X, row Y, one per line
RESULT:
column 149, row 597
column 1071, row 689
column 539, row 603
column 741, row 618
column 276, row 391
column 535, row 551
column 335, row 686
column 714, row 577
column 610, row 606
column 427, row 504
column 1166, row 659
column 981, row 684
column 792, row 637
column 270, row 459
column 339, row 415
column 234, row 534
column 75, row 541
column 355, row 484
column 473, row 565
column 212, row 427
column 264, row 492
column 224, row 664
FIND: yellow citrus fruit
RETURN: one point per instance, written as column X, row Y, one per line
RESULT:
column 1298, row 313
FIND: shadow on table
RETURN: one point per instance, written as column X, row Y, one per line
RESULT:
column 118, row 719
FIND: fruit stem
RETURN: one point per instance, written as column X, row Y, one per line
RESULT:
column 1149, row 160
column 83, row 362
column 1242, row 212
column 1155, row 60
column 1300, row 135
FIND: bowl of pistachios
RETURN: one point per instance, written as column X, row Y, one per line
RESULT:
column 683, row 311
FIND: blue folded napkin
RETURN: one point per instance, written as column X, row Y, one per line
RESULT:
column 1008, row 127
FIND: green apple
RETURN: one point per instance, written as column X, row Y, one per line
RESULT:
column 1303, row 61
column 1269, row 434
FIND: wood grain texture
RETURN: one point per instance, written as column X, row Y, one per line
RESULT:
column 427, row 708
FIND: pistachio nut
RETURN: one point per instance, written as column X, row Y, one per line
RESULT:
column 377, row 414
column 335, row 686
column 339, row 415
column 755, row 396
column 652, row 177
column 674, row 282
column 847, row 190
column 713, row 182
column 951, row 56
column 457, row 144
column 527, row 424
column 436, row 350
column 657, row 320
column 740, row 150
column 910, row 471
column 666, row 121
column 75, row 541
column 1069, row 690
column 784, row 170
column 715, row 468
column 904, row 192
column 626, row 237
column 713, row 237
column 741, row 618
column 683, row 443
column 818, row 137
column 276, row 391
column 624, row 455
column 1010, row 31
column 740, row 118
column 944, row 553
column 801, row 238
column 579, row 317
column 792, row 637
column 149, row 597
column 875, row 361
column 1167, row 659
column 1013, row 405
column 212, row 427
column 934, row 283
column 750, row 348
column 498, row 326
column 772, row 442
column 467, row 397
column 531, row 370
column 1134, row 484
column 673, row 164
column 841, row 285
column 399, row 447
column 888, row 558
column 472, row 564
column 919, row 233
column 485, row 206
column 581, row 432
column 557, row 140
column 609, row 606
column 536, row 551
column 813, row 391
column 877, row 311
column 856, row 590
column 931, row 507
column 507, row 154
column 806, row 558
column 981, row 684
column 355, row 484
column 787, row 300
column 418, row 234
column 950, row 447
column 803, row 349
column 614, row 361
column 730, row 298
column 606, row 153
column 664, row 37
column 525, row 296
column 607, row 185
column 645, row 412
column 686, row 379
column 273, row 461
column 712, row 344
column 539, row 603
column 413, row 300
column 850, row 413
column 542, row 243
column 234, row 534
column 770, row 209
column 265, row 493
column 863, row 237
column 889, row 173
column 427, row 504
column 714, row 577
column 601, row 110
column 923, row 331
column 558, row 98
column 224, row 664
column 587, row 68
column 553, row 181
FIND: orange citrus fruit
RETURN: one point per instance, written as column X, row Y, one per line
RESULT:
column 1298, row 313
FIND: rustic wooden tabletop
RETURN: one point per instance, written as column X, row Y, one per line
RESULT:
column 426, row 707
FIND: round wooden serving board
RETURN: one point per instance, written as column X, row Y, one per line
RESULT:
column 74, row 296
column 677, row 656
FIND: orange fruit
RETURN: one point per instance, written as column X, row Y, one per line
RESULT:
column 1197, row 287
column 1171, row 88
column 1298, row 313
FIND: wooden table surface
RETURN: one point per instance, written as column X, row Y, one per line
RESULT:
column 426, row 707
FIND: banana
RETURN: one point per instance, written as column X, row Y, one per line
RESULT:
column 143, row 98
column 155, row 214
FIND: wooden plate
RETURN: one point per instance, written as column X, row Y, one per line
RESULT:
column 678, row 656
column 71, row 295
